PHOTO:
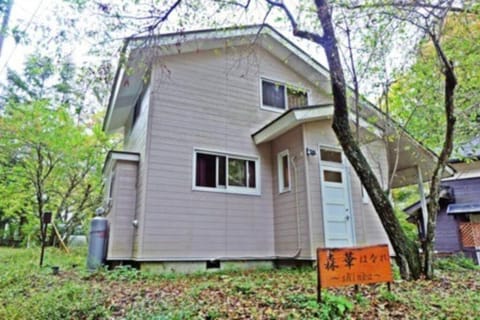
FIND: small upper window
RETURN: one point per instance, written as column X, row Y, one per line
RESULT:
column 279, row 96
column 283, row 165
column 331, row 155
column 225, row 172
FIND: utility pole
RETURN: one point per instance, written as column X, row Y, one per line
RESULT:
column 6, row 17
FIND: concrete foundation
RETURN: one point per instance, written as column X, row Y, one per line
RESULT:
column 203, row 266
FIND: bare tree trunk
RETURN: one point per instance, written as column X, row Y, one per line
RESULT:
column 406, row 251
column 433, row 206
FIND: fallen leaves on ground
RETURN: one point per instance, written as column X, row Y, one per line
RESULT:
column 287, row 294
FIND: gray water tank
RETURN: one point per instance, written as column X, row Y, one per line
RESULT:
column 97, row 246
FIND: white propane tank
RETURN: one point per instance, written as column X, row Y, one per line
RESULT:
column 97, row 245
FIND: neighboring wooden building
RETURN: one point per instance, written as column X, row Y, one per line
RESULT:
column 458, row 221
column 229, row 154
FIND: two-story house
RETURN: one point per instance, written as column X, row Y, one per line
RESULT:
column 229, row 157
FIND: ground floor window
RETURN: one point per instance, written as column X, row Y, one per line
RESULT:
column 283, row 171
column 225, row 172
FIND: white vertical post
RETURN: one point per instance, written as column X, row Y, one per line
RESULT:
column 423, row 200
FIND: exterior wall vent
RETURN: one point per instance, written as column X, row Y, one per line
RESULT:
column 213, row 264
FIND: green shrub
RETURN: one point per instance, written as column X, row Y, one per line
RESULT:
column 30, row 292
column 335, row 307
column 456, row 262
column 123, row 273
column 331, row 307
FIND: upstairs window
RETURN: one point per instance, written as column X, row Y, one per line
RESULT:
column 136, row 110
column 283, row 165
column 273, row 95
column 140, row 103
column 224, row 172
column 278, row 96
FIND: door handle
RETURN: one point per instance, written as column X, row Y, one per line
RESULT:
column 347, row 218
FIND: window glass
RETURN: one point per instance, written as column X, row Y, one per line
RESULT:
column 224, row 172
column 221, row 171
column 237, row 173
column 273, row 95
column 137, row 109
column 251, row 174
column 332, row 176
column 112, row 183
column 286, row 182
column 331, row 155
column 283, row 171
column 206, row 170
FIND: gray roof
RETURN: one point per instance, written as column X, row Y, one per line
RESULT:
column 469, row 150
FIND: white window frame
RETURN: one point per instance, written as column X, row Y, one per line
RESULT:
column 281, row 178
column 108, row 200
column 144, row 97
column 344, row 166
column 333, row 149
column 227, row 188
column 285, row 84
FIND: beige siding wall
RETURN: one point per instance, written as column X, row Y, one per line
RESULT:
column 291, row 219
column 122, row 211
column 367, row 226
column 372, row 231
column 209, row 100
column 136, row 139
column 317, row 133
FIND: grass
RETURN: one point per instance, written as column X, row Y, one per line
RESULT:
column 30, row 292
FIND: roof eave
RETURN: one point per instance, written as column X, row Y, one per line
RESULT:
column 289, row 120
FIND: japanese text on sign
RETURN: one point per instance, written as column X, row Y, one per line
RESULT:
column 349, row 266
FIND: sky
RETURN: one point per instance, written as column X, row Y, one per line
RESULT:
column 28, row 15
column 25, row 14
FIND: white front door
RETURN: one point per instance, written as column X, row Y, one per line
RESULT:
column 337, row 213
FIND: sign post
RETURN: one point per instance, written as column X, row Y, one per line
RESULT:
column 338, row 267
column 46, row 219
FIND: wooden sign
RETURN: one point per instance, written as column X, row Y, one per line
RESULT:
column 47, row 217
column 351, row 266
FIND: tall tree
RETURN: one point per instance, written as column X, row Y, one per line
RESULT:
column 49, row 163
column 414, row 97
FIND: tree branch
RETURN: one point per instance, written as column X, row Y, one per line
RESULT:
column 412, row 5
column 296, row 31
